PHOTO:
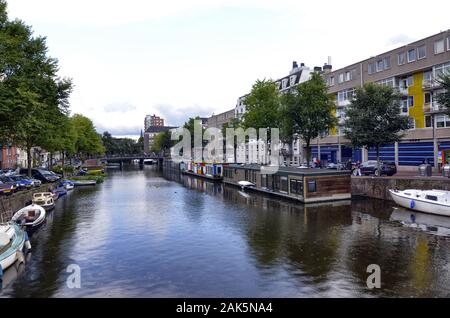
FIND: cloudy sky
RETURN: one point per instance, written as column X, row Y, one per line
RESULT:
column 179, row 58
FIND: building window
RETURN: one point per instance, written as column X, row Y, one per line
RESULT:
column 331, row 81
column 421, row 52
column 441, row 69
column 284, row 184
column 387, row 82
column 341, row 78
column 411, row 55
column 401, row 58
column 448, row 43
column 371, row 68
column 410, row 101
column 348, row 76
column 284, row 83
column 404, row 106
column 411, row 123
column 292, row 80
column 387, row 63
column 409, row 81
column 427, row 100
column 428, row 121
column 439, row 46
column 379, row 65
column 442, row 121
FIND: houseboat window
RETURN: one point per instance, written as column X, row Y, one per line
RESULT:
column 276, row 182
column 219, row 171
column 296, row 187
column 312, row 186
column 264, row 180
column 431, row 197
column 246, row 175
column 284, row 184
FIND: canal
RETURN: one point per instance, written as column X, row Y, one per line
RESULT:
column 143, row 234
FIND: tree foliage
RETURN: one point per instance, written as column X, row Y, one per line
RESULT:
column 87, row 141
column 163, row 142
column 444, row 98
column 373, row 117
column 121, row 146
column 307, row 111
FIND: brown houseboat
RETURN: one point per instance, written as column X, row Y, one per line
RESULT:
column 304, row 185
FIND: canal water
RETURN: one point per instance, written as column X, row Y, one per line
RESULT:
column 143, row 234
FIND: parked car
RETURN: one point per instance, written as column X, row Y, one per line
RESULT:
column 6, row 189
column 386, row 168
column 8, row 180
column 23, row 182
column 43, row 175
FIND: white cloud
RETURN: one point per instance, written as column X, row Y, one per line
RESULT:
column 180, row 59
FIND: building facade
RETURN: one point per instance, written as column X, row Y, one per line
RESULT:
column 217, row 121
column 8, row 157
column 412, row 70
column 150, row 134
column 256, row 151
column 153, row 121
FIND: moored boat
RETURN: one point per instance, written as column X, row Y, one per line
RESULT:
column 82, row 183
column 428, row 201
column 67, row 184
column 31, row 216
column 246, row 184
column 12, row 241
column 45, row 200
column 432, row 224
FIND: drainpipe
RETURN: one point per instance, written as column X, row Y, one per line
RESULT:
column 435, row 144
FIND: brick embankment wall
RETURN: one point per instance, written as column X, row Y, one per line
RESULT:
column 13, row 203
column 376, row 187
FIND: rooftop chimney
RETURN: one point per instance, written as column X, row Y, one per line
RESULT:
column 317, row 69
column 294, row 65
column 327, row 68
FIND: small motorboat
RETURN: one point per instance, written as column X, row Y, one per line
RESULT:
column 31, row 216
column 67, row 184
column 246, row 184
column 12, row 241
column 60, row 191
column 428, row 201
column 83, row 183
column 45, row 200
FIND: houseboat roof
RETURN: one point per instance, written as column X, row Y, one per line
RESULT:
column 291, row 170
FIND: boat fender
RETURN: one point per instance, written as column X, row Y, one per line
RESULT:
column 412, row 204
column 27, row 242
column 20, row 257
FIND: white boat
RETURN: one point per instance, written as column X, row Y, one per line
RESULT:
column 246, row 184
column 45, row 200
column 12, row 241
column 31, row 216
column 83, row 183
column 428, row 201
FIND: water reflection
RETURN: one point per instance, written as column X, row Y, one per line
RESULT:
column 148, row 235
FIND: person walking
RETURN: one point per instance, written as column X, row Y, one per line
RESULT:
column 358, row 169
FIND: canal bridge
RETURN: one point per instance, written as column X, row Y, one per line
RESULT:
column 128, row 158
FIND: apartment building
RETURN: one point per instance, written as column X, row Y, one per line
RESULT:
column 255, row 151
column 412, row 70
column 153, row 121
column 217, row 121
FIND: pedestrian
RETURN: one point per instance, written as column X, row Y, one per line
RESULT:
column 349, row 165
column 358, row 169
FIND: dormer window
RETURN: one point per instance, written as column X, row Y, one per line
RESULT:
column 292, row 80
column 284, row 83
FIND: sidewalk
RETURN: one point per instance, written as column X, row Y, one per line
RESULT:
column 411, row 175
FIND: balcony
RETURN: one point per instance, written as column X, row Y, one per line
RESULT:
column 343, row 103
column 433, row 108
column 430, row 84
column 402, row 90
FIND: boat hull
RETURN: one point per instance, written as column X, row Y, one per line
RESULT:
column 416, row 204
column 9, row 257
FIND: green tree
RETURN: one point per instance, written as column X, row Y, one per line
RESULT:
column 374, row 119
column 32, row 96
column 162, row 142
column 308, row 111
column 87, row 141
column 444, row 98
column 262, row 106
